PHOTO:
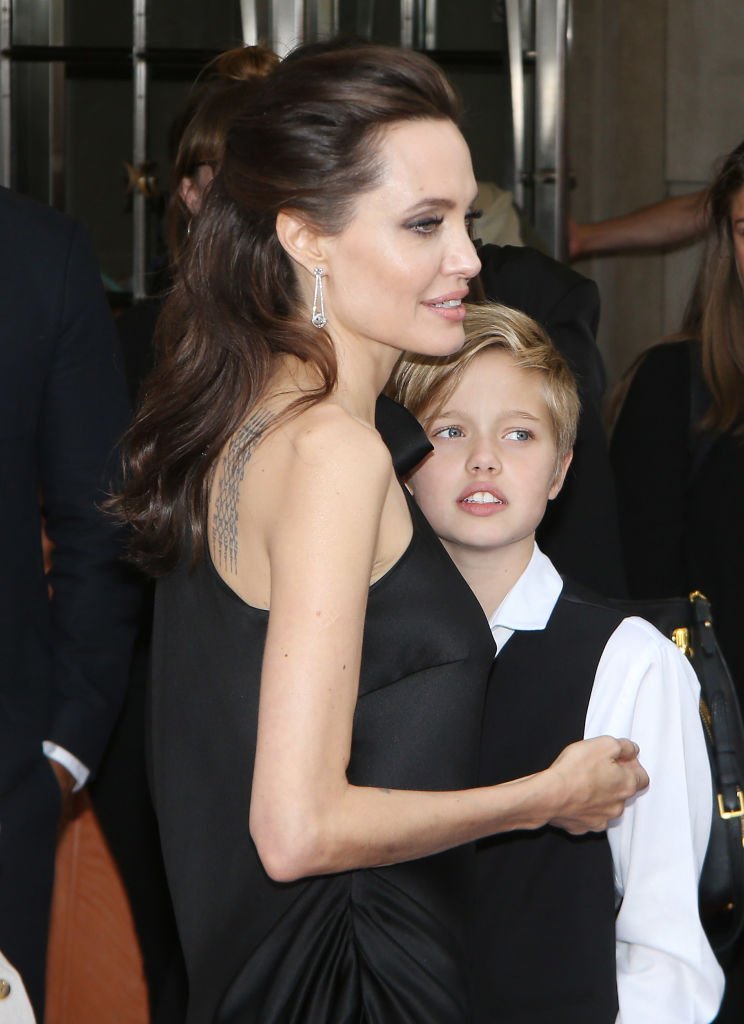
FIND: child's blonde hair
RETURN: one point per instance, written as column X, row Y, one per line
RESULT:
column 424, row 384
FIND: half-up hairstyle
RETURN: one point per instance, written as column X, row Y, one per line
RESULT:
column 307, row 141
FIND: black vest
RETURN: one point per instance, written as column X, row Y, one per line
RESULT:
column 543, row 920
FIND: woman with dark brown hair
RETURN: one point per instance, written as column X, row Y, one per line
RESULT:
column 222, row 89
column 319, row 665
column 678, row 443
column 678, row 455
column 197, row 141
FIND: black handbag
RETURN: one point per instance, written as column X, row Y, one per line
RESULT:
column 689, row 623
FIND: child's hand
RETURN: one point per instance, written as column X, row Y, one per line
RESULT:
column 594, row 779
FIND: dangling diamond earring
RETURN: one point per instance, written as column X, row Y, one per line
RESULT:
column 318, row 318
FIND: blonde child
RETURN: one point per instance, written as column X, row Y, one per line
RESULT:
column 599, row 928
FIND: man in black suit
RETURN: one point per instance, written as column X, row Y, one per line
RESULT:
column 65, row 638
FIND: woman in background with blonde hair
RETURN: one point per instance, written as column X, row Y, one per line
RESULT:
column 678, row 441
column 678, row 455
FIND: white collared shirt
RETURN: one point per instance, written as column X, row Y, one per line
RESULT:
column 646, row 690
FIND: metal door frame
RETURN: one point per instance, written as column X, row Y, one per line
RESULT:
column 538, row 33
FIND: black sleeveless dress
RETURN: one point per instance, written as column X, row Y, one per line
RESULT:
column 383, row 946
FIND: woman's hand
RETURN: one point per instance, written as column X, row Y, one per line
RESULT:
column 595, row 778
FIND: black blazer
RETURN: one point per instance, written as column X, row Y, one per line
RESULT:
column 563, row 301
column 63, row 403
column 681, row 526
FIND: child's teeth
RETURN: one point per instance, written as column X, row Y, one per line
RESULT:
column 483, row 498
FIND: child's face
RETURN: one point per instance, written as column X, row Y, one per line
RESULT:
column 493, row 469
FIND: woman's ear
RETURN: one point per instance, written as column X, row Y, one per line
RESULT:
column 560, row 475
column 191, row 195
column 299, row 239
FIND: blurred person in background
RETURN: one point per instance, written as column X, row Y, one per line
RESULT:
column 198, row 137
column 676, row 220
column 678, row 454
column 65, row 638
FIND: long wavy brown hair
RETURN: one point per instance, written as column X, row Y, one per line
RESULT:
column 308, row 141
column 714, row 316
column 715, row 312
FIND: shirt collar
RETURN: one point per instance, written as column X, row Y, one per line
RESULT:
column 530, row 602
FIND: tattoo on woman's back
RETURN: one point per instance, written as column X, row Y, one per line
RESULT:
column 239, row 451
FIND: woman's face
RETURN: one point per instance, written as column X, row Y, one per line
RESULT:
column 736, row 215
column 398, row 273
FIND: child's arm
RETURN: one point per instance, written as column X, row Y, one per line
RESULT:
column 666, row 971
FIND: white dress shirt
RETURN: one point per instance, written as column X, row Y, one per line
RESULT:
column 646, row 690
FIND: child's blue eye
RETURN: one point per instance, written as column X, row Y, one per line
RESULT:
column 519, row 435
column 448, row 432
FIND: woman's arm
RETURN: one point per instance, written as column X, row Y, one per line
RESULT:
column 341, row 520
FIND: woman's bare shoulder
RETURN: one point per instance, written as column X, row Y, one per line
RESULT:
column 328, row 435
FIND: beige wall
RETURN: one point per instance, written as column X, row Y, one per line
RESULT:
column 656, row 94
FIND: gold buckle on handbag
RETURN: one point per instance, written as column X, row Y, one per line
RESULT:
column 738, row 813
column 681, row 637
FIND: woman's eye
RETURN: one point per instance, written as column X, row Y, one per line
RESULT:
column 448, row 432
column 518, row 435
column 425, row 226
